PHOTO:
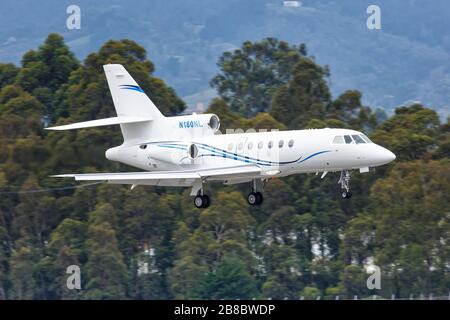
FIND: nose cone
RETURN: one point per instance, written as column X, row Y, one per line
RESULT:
column 383, row 156
column 390, row 156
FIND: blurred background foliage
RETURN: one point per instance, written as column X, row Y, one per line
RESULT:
column 151, row 243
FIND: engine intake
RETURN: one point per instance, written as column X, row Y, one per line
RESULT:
column 214, row 122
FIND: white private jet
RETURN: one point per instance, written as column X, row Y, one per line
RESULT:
column 187, row 151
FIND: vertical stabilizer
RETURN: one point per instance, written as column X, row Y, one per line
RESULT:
column 130, row 100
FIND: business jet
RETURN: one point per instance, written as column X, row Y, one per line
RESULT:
column 188, row 151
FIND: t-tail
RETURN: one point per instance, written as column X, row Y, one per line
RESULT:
column 137, row 115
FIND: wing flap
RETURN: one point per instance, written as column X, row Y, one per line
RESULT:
column 168, row 178
column 231, row 172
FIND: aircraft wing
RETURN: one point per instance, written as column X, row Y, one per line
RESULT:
column 170, row 178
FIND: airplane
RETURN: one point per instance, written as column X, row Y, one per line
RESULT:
column 189, row 151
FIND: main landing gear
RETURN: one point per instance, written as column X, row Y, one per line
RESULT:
column 255, row 198
column 344, row 180
column 202, row 201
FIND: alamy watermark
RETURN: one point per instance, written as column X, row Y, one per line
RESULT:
column 73, row 21
column 74, row 278
column 374, row 280
column 374, row 20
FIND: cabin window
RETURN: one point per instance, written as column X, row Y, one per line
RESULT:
column 270, row 144
column 250, row 145
column 240, row 146
column 366, row 139
column 260, row 145
column 143, row 146
column 280, row 144
column 291, row 143
column 348, row 139
column 358, row 139
column 230, row 147
column 338, row 140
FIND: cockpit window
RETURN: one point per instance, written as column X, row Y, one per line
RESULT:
column 366, row 139
column 338, row 140
column 358, row 139
column 348, row 139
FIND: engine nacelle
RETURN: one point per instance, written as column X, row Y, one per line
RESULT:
column 173, row 155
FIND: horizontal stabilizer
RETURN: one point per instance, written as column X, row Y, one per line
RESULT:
column 102, row 122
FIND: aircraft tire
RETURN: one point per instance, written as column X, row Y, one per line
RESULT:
column 259, row 198
column 346, row 195
column 207, row 201
column 252, row 198
column 199, row 201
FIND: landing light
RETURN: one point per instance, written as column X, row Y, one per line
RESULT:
column 272, row 172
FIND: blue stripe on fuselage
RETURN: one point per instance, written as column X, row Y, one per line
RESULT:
column 230, row 155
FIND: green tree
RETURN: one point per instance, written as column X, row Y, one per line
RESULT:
column 186, row 276
column 220, row 231
column 281, row 271
column 21, row 273
column 45, row 70
column 250, row 75
column 306, row 96
column 14, row 100
column 230, row 280
column 443, row 141
column 405, row 229
column 353, row 281
column 230, row 120
column 67, row 247
column 4, row 257
column 310, row 293
column 106, row 272
column 34, row 215
column 348, row 109
column 8, row 73
column 410, row 133
column 227, row 224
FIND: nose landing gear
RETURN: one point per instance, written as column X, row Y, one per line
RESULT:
column 344, row 180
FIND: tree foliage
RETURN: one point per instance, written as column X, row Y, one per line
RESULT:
column 250, row 75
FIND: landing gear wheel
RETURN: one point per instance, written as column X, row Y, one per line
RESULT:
column 255, row 198
column 259, row 198
column 346, row 194
column 207, row 201
column 202, row 201
column 199, row 201
column 252, row 199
